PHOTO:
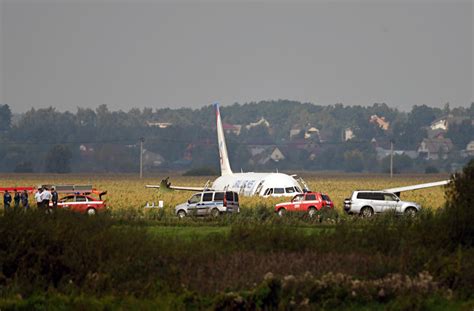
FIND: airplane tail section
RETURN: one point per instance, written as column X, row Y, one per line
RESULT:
column 224, row 158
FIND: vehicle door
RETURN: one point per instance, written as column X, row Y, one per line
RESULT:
column 66, row 202
column 391, row 202
column 378, row 201
column 310, row 200
column 296, row 203
column 206, row 204
column 80, row 203
column 193, row 202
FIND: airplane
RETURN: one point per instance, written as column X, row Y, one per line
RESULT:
column 398, row 190
column 247, row 184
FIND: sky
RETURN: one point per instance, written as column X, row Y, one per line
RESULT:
column 126, row 54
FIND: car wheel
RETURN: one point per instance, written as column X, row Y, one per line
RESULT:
column 411, row 211
column 366, row 212
column 91, row 211
column 215, row 212
column 281, row 212
column 311, row 212
column 181, row 213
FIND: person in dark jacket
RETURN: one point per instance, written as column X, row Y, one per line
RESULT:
column 16, row 200
column 7, row 200
column 54, row 198
column 24, row 200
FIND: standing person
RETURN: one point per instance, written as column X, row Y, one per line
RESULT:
column 54, row 198
column 16, row 200
column 45, row 198
column 24, row 200
column 39, row 199
column 7, row 199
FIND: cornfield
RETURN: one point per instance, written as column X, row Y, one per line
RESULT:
column 127, row 193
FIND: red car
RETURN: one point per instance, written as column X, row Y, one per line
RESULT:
column 309, row 202
column 81, row 203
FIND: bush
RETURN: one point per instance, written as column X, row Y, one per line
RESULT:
column 459, row 211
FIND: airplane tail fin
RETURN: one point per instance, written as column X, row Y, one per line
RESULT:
column 224, row 158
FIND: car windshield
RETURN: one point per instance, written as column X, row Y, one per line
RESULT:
column 325, row 197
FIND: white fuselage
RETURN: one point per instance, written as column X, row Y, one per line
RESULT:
column 262, row 184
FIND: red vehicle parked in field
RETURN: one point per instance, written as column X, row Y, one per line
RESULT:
column 308, row 202
column 81, row 203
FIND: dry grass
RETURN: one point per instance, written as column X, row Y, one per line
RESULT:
column 128, row 192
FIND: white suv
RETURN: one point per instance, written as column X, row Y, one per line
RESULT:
column 366, row 203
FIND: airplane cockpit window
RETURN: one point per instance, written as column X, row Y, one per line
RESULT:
column 269, row 191
column 279, row 190
column 290, row 190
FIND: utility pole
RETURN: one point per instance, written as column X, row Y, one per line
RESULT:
column 391, row 158
column 141, row 156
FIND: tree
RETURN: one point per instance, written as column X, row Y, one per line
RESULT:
column 58, row 159
column 459, row 211
column 354, row 161
column 5, row 117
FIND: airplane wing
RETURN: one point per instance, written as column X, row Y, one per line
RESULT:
column 419, row 186
column 165, row 185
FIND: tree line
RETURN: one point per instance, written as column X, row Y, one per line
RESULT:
column 103, row 140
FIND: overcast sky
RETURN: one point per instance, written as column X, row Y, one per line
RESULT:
column 69, row 54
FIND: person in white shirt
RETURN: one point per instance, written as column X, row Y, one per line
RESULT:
column 38, row 198
column 45, row 198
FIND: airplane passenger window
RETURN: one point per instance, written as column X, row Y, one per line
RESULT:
column 279, row 190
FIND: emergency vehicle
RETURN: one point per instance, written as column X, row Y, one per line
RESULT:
column 308, row 202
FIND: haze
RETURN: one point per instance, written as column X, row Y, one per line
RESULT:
column 69, row 54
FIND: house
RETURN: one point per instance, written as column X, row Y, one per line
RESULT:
column 435, row 148
column 86, row 150
column 262, row 155
column 380, row 121
column 232, row 128
column 161, row 125
column 294, row 131
column 443, row 123
column 311, row 132
column 470, row 148
column 439, row 124
column 348, row 134
column 262, row 121
column 383, row 153
column 152, row 159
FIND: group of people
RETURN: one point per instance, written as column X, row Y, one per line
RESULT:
column 42, row 197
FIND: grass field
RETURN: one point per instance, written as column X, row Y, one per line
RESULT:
column 127, row 193
column 139, row 259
